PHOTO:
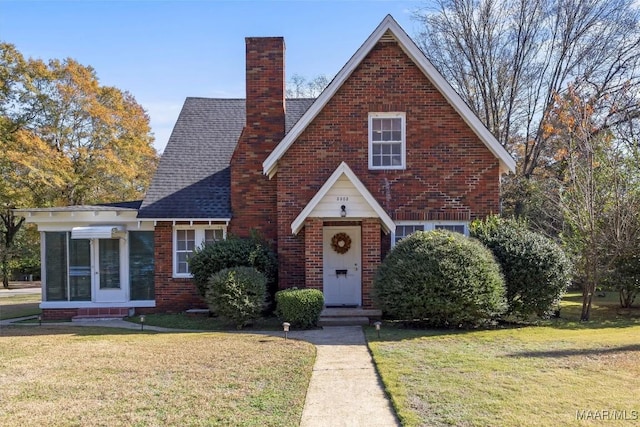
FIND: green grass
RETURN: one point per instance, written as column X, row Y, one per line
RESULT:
column 525, row 376
column 19, row 306
column 66, row 376
column 203, row 323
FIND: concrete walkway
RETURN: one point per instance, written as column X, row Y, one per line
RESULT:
column 344, row 390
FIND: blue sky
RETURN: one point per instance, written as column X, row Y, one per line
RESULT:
column 164, row 51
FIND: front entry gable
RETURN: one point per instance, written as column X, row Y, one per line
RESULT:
column 343, row 188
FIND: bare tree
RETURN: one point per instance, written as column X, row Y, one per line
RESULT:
column 508, row 59
column 299, row 87
column 599, row 197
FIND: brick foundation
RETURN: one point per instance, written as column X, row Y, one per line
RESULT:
column 59, row 313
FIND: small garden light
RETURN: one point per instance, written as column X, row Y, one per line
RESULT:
column 142, row 319
column 285, row 327
column 377, row 325
column 40, row 319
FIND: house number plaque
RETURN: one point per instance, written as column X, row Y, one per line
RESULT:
column 342, row 198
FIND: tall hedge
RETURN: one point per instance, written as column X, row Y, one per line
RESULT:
column 536, row 269
column 233, row 252
column 441, row 278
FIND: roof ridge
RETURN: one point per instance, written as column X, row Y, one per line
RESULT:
column 244, row 99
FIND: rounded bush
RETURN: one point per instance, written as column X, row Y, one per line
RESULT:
column 237, row 293
column 233, row 252
column 440, row 278
column 537, row 272
column 300, row 307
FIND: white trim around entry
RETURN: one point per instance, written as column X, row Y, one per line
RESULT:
column 343, row 169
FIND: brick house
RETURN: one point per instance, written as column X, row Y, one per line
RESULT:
column 387, row 148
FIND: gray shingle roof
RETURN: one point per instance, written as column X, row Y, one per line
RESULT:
column 108, row 207
column 193, row 179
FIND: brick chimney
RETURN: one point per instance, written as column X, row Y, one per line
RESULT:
column 253, row 195
column 265, row 82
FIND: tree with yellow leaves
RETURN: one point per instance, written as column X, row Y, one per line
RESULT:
column 66, row 140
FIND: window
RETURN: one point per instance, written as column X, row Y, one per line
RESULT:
column 67, row 268
column 185, row 244
column 405, row 229
column 55, row 252
column 187, row 239
column 212, row 236
column 386, row 140
column 141, row 265
column 457, row 228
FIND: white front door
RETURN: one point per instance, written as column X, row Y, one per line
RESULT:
column 342, row 272
column 107, row 270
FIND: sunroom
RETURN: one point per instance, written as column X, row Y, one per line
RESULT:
column 94, row 257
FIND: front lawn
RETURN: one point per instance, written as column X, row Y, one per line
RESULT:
column 19, row 306
column 561, row 373
column 54, row 375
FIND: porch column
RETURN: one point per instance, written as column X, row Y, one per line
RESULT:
column 370, row 257
column 313, row 253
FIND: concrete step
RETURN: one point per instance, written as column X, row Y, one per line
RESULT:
column 351, row 312
column 348, row 316
column 343, row 321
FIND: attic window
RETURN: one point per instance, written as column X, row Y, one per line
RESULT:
column 387, row 141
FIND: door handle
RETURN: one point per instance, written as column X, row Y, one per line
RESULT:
column 356, row 266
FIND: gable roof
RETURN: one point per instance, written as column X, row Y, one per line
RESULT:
column 342, row 169
column 193, row 180
column 390, row 28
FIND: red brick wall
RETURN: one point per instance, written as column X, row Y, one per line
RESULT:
column 450, row 174
column 253, row 195
column 370, row 257
column 172, row 295
column 59, row 313
column 313, row 254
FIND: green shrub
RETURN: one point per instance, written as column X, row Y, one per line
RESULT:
column 440, row 278
column 300, row 307
column 237, row 293
column 536, row 270
column 623, row 276
column 233, row 252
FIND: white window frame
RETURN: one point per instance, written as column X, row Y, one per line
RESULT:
column 199, row 242
column 429, row 226
column 405, row 224
column 403, row 144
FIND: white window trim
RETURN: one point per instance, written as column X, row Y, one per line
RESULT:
column 199, row 241
column 429, row 226
column 403, row 144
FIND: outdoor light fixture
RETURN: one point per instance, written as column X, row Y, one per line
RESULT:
column 40, row 319
column 343, row 211
column 377, row 325
column 285, row 326
column 142, row 319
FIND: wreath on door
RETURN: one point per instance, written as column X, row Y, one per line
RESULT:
column 341, row 243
